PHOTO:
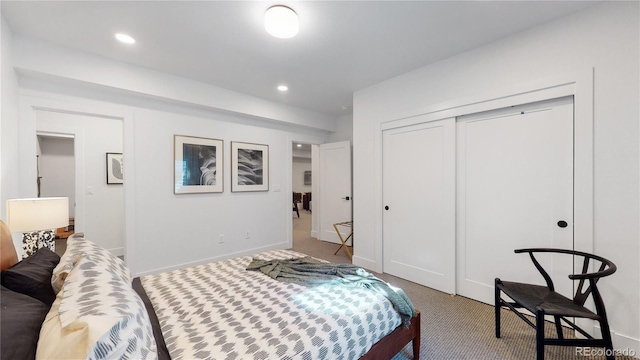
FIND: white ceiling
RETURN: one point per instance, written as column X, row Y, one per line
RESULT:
column 342, row 46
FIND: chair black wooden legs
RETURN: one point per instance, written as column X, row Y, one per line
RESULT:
column 498, row 306
column 540, row 334
column 606, row 337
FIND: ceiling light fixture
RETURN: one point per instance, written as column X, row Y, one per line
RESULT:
column 299, row 145
column 125, row 38
column 281, row 22
column 283, row 87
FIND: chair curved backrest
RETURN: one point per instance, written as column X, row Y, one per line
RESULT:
column 605, row 268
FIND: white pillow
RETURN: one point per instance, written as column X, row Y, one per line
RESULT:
column 77, row 248
column 96, row 312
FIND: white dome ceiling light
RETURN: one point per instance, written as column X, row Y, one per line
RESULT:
column 283, row 88
column 281, row 21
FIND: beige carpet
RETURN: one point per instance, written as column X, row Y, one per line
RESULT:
column 453, row 327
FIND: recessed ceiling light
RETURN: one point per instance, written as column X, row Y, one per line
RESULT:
column 281, row 22
column 299, row 145
column 283, row 87
column 125, row 38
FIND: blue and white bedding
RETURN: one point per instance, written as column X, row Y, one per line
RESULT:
column 222, row 311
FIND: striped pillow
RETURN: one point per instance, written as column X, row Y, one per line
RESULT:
column 97, row 312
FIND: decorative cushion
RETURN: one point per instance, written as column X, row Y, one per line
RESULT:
column 77, row 248
column 57, row 342
column 97, row 312
column 20, row 321
column 32, row 276
column 32, row 241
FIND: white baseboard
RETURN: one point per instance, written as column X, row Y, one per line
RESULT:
column 119, row 251
column 365, row 263
column 626, row 344
column 314, row 234
column 279, row 246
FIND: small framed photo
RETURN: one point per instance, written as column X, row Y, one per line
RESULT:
column 198, row 165
column 115, row 168
column 249, row 167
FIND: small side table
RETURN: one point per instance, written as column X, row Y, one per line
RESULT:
column 344, row 240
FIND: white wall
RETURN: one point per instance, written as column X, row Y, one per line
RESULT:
column 164, row 230
column 9, row 164
column 57, row 169
column 300, row 165
column 9, row 120
column 604, row 37
column 344, row 129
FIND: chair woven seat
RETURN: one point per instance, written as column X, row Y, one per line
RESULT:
column 544, row 301
column 532, row 297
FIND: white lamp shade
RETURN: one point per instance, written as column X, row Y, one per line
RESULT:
column 281, row 22
column 24, row 215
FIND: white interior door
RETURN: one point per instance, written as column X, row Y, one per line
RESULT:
column 515, row 183
column 335, row 189
column 419, row 203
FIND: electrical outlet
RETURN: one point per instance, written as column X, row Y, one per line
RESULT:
column 246, row 234
column 221, row 238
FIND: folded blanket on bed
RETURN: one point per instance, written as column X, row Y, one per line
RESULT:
column 307, row 271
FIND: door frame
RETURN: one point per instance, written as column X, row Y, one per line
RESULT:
column 31, row 101
column 313, row 141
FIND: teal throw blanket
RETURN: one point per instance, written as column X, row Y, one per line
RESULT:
column 308, row 271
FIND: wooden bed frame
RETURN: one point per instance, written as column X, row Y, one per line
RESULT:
column 386, row 348
column 391, row 344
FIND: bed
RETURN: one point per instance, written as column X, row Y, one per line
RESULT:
column 86, row 305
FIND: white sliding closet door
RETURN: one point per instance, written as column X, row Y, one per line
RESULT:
column 515, row 188
column 419, row 203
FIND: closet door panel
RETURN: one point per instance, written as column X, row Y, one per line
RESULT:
column 419, row 203
column 515, row 183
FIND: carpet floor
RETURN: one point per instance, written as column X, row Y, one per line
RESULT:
column 453, row 327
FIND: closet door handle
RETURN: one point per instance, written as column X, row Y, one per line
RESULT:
column 562, row 224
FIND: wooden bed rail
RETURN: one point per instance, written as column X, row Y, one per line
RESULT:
column 391, row 344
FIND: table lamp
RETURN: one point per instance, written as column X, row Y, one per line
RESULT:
column 37, row 220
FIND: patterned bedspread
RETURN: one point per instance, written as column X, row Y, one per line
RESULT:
column 222, row 311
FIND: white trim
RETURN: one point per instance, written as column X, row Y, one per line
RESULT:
column 119, row 251
column 78, row 137
column 278, row 246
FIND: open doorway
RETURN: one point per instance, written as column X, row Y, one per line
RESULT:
column 307, row 198
column 56, row 177
column 302, row 197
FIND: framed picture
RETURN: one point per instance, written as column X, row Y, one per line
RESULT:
column 307, row 177
column 249, row 167
column 198, row 165
column 115, row 168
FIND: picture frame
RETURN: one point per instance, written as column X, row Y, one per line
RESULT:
column 198, row 165
column 249, row 167
column 115, row 168
column 307, row 177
